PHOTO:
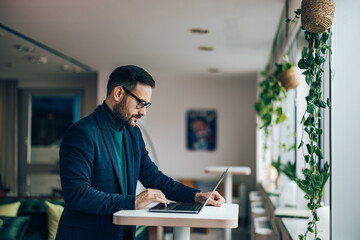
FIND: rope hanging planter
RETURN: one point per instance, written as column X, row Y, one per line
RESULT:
column 317, row 15
column 290, row 78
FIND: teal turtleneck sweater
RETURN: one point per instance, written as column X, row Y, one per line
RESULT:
column 117, row 133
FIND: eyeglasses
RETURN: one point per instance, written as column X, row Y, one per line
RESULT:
column 141, row 103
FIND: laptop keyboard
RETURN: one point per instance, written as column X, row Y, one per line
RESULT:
column 179, row 206
column 187, row 206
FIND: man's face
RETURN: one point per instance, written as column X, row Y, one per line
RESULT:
column 126, row 110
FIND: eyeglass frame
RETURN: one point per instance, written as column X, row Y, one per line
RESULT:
column 141, row 104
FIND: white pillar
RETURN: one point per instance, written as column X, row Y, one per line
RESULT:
column 181, row 233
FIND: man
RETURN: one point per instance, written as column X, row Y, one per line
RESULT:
column 102, row 157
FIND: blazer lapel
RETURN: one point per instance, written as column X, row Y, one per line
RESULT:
column 129, row 151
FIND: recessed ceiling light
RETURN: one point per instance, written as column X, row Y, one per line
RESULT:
column 70, row 69
column 205, row 48
column 38, row 59
column 214, row 70
column 22, row 48
column 199, row 30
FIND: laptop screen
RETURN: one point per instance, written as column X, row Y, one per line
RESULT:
column 217, row 184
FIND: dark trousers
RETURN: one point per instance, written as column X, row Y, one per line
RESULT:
column 125, row 234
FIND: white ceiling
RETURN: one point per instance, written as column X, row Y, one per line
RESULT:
column 153, row 34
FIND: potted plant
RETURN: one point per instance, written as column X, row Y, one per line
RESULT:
column 317, row 16
column 289, row 77
column 277, row 166
column 289, row 169
column 316, row 171
column 268, row 107
column 287, row 74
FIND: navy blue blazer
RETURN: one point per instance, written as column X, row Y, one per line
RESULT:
column 90, row 178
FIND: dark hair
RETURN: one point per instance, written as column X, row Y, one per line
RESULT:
column 128, row 76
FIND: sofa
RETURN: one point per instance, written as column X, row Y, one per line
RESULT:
column 31, row 220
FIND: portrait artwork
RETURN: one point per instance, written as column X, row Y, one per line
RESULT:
column 201, row 130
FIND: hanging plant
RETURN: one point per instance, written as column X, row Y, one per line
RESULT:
column 289, row 78
column 272, row 93
column 315, row 174
column 268, row 107
column 317, row 16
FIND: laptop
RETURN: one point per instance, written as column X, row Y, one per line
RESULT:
column 178, row 207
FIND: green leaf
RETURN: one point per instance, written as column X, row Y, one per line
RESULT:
column 324, row 37
column 309, row 98
column 306, row 171
column 310, row 60
column 328, row 102
column 291, row 148
column 310, row 108
column 309, row 121
column 267, row 119
column 308, row 146
column 317, row 40
column 323, row 49
column 288, row 20
column 302, row 120
column 308, row 79
column 321, row 104
column 307, row 157
column 301, row 144
column 322, row 60
column 313, row 137
column 304, row 52
column 319, row 153
column 307, row 72
column 302, row 64
column 319, row 131
column 282, row 118
column 311, row 207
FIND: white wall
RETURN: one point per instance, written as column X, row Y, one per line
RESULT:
column 345, row 177
column 233, row 98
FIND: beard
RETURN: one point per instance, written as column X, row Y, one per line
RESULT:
column 123, row 114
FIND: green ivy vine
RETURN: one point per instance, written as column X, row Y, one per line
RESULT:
column 271, row 95
column 316, row 173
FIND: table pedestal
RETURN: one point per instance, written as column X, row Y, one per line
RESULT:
column 181, row 233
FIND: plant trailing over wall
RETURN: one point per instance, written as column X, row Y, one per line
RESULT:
column 316, row 173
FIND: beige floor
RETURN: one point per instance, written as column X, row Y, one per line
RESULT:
column 240, row 233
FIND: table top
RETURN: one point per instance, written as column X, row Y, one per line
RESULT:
column 235, row 170
column 225, row 216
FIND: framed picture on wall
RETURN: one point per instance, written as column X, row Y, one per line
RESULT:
column 201, row 130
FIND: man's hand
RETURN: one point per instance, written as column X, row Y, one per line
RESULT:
column 215, row 200
column 148, row 196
